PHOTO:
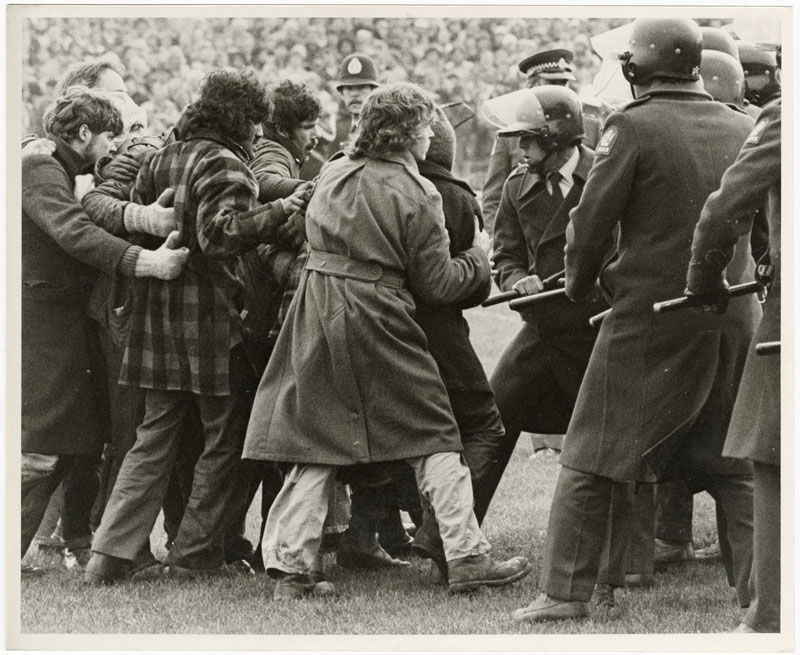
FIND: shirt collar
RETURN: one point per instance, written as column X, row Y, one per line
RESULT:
column 570, row 165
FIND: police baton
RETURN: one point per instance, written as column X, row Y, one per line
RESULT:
column 548, row 283
column 534, row 298
column 684, row 302
column 768, row 348
column 595, row 320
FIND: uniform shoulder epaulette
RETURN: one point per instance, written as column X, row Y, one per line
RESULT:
column 634, row 103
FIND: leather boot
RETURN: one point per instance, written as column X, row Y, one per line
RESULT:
column 105, row 569
column 364, row 552
column 469, row 573
column 428, row 544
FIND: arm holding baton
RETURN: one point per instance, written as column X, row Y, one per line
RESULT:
column 550, row 282
column 699, row 301
column 534, row 298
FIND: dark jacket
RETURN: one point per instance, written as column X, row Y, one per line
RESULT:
column 444, row 325
column 659, row 389
column 276, row 167
column 62, row 252
column 754, row 178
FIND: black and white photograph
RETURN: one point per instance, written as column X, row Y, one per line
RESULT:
column 398, row 328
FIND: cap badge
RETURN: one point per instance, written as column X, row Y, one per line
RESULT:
column 354, row 67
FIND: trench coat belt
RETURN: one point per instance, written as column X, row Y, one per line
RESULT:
column 342, row 266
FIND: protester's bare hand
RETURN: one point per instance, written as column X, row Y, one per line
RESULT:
column 298, row 201
column 39, row 147
column 482, row 239
column 166, row 263
column 83, row 184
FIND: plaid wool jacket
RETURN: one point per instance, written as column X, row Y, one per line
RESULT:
column 182, row 330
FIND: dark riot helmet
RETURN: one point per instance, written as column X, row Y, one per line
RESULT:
column 723, row 77
column 554, row 118
column 663, row 47
column 716, row 39
column 760, row 72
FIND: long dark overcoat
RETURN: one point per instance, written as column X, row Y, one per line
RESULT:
column 350, row 380
column 755, row 178
column 63, row 409
column 659, row 389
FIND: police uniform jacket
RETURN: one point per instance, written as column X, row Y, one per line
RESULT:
column 659, row 389
column 351, row 380
column 529, row 239
column 63, row 407
column 754, row 178
column 506, row 156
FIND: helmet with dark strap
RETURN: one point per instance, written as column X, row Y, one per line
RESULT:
column 663, row 47
column 715, row 39
column 760, row 72
column 357, row 70
column 723, row 77
column 554, row 119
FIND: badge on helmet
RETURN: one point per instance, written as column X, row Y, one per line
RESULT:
column 663, row 47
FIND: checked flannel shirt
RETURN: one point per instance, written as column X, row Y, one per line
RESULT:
column 182, row 330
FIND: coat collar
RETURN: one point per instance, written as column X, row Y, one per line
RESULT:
column 237, row 148
column 437, row 172
column 684, row 94
column 73, row 162
column 285, row 143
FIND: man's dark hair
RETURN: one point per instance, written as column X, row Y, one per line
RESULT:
column 85, row 74
column 293, row 103
column 229, row 104
column 81, row 106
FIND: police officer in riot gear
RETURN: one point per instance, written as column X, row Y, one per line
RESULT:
column 655, row 401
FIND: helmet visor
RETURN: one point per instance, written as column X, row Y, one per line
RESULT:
column 518, row 112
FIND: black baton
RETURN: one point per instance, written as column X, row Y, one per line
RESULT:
column 683, row 302
column 548, row 283
column 768, row 348
column 595, row 320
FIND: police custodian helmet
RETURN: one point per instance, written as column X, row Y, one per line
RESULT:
column 663, row 47
column 552, row 115
column 357, row 70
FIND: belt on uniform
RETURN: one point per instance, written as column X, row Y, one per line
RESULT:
column 342, row 266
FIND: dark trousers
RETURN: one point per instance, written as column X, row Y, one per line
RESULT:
column 577, row 531
column 219, row 487
column 80, row 475
column 764, row 614
column 535, row 386
column 673, row 511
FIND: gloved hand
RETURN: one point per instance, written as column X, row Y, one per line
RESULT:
column 122, row 168
column 715, row 300
column 157, row 218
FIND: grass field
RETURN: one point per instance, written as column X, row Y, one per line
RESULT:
column 690, row 598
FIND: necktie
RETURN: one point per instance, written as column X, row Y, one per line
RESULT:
column 554, row 179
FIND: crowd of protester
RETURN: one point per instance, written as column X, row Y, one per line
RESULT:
column 468, row 60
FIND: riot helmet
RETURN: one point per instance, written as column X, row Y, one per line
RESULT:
column 555, row 119
column 723, row 77
column 663, row 47
column 760, row 72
